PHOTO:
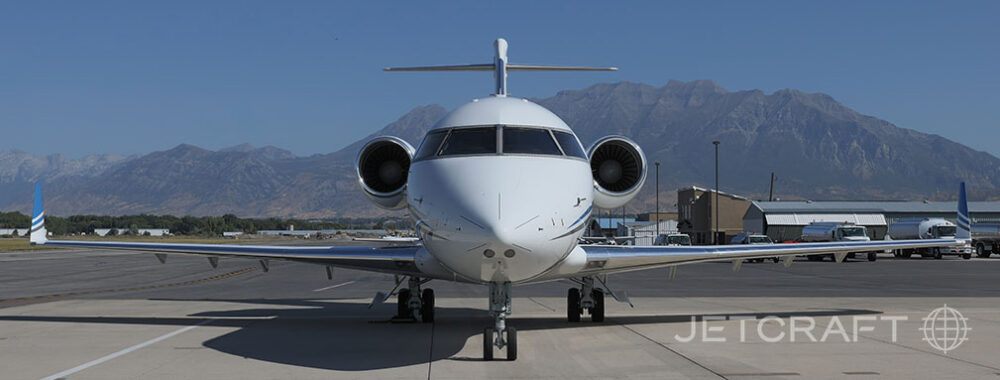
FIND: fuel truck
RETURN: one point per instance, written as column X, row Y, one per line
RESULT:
column 831, row 231
column 986, row 238
column 927, row 228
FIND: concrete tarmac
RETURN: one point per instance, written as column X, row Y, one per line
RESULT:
column 91, row 314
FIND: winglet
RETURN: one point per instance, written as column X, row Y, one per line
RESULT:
column 963, row 219
column 38, row 232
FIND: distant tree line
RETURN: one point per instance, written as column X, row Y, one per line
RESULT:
column 188, row 225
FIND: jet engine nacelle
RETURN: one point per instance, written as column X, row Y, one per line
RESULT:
column 382, row 167
column 619, row 170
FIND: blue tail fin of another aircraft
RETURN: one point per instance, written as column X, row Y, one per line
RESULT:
column 38, row 231
column 964, row 222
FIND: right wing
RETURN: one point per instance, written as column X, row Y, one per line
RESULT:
column 391, row 259
column 400, row 258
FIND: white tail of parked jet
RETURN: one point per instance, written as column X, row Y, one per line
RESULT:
column 963, row 221
column 38, row 231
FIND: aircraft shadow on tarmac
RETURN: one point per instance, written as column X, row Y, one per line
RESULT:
column 350, row 337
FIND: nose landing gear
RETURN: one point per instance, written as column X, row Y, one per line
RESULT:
column 500, row 335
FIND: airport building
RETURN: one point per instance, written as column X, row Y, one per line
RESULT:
column 645, row 231
column 14, row 231
column 142, row 231
column 696, row 212
column 783, row 221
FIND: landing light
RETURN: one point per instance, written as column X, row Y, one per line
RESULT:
column 509, row 253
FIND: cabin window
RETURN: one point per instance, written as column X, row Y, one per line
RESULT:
column 430, row 145
column 481, row 140
column 570, row 145
column 529, row 141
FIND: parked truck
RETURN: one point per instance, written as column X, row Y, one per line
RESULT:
column 986, row 239
column 832, row 231
column 926, row 228
column 673, row 239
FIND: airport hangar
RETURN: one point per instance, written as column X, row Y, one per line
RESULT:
column 783, row 220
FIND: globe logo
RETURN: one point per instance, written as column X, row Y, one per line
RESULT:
column 945, row 329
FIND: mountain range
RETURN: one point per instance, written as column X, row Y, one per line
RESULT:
column 818, row 148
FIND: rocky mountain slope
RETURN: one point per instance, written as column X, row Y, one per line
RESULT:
column 818, row 148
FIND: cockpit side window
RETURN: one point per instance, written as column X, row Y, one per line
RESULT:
column 570, row 145
column 429, row 147
column 479, row 140
column 529, row 141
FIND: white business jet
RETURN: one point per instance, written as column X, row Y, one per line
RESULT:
column 500, row 191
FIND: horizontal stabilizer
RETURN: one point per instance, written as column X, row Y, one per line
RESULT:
column 480, row 67
column 500, row 67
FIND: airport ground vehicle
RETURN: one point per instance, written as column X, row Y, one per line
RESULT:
column 834, row 231
column 673, row 239
column 986, row 239
column 750, row 238
column 926, row 228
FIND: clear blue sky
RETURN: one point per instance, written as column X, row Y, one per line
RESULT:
column 133, row 77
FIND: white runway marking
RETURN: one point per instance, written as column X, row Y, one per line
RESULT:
column 92, row 363
column 333, row 286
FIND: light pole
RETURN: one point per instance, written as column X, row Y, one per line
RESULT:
column 657, row 201
column 716, row 232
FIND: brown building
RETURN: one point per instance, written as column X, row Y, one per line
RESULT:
column 696, row 214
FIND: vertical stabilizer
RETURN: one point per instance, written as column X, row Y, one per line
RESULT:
column 500, row 66
column 38, row 232
column 964, row 222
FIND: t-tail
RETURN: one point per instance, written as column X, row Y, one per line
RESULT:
column 500, row 67
column 964, row 223
column 38, row 231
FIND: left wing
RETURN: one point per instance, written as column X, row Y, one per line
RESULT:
column 602, row 259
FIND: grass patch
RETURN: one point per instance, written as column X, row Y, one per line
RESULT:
column 15, row 244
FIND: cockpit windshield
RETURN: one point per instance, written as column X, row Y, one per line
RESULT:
column 529, row 141
column 513, row 140
column 569, row 144
column 429, row 147
column 853, row 232
column 482, row 140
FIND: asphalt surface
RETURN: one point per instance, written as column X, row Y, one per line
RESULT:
column 101, row 314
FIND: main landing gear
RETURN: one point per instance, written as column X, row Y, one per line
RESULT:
column 500, row 335
column 587, row 297
column 411, row 303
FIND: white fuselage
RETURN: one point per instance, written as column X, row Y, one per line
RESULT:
column 472, row 212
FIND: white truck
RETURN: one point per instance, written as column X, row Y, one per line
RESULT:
column 673, row 239
column 926, row 228
column 986, row 238
column 832, row 231
column 752, row 238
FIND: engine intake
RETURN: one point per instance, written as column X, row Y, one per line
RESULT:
column 382, row 168
column 619, row 170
